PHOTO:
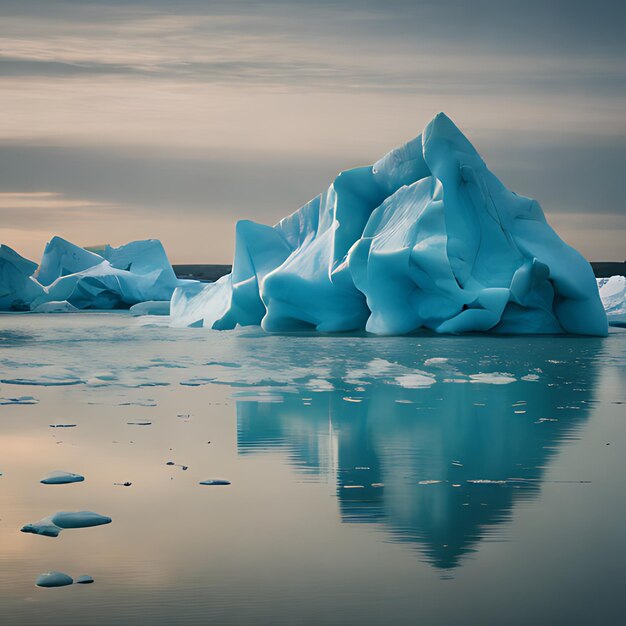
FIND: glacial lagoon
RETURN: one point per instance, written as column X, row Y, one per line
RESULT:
column 439, row 480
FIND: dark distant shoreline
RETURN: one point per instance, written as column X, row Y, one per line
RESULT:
column 209, row 273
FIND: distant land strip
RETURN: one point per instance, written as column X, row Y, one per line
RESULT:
column 210, row 272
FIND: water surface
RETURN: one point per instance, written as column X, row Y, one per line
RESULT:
column 433, row 480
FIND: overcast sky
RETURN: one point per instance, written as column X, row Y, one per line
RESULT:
column 132, row 119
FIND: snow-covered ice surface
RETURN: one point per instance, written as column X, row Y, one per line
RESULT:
column 369, row 476
column 426, row 237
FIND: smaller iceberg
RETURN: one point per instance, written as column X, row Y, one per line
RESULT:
column 70, row 278
column 61, row 478
column 52, row 525
column 613, row 296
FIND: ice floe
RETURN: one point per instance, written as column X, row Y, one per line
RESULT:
column 61, row 478
column 52, row 525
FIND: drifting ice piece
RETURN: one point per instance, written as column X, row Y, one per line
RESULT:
column 613, row 294
column 53, row 579
column 52, row 525
column 427, row 237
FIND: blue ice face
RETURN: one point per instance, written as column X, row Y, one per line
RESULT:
column 426, row 238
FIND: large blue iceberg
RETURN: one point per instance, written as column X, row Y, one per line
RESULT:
column 426, row 238
column 70, row 277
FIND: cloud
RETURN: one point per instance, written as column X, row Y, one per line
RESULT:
column 142, row 110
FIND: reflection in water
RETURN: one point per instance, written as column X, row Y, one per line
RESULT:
column 441, row 465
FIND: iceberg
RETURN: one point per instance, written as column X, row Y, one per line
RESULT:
column 426, row 238
column 613, row 295
column 70, row 278
column 18, row 288
column 61, row 478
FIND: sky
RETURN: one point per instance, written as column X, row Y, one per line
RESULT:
column 137, row 119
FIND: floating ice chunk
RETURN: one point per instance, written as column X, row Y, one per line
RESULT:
column 53, row 380
column 151, row 307
column 215, row 482
column 62, row 425
column 427, row 237
column 494, row 378
column 61, row 478
column 53, row 579
column 613, row 295
column 85, row 579
column 62, row 306
column 18, row 288
column 52, row 525
column 415, row 380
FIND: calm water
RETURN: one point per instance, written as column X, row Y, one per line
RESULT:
column 420, row 480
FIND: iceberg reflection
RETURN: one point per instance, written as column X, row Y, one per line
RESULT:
column 442, row 465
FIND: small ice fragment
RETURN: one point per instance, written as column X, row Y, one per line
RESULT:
column 170, row 463
column 215, row 482
column 139, row 423
column 62, row 425
column 494, row 378
column 354, row 486
column 435, row 360
column 378, row 484
column 52, row 525
column 428, row 482
column 126, row 484
column 61, row 478
column 348, row 399
column 530, row 377
column 53, row 579
column 85, row 579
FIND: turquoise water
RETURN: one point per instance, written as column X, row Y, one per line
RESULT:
column 432, row 480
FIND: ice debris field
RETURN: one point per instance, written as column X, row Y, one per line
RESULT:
column 426, row 238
